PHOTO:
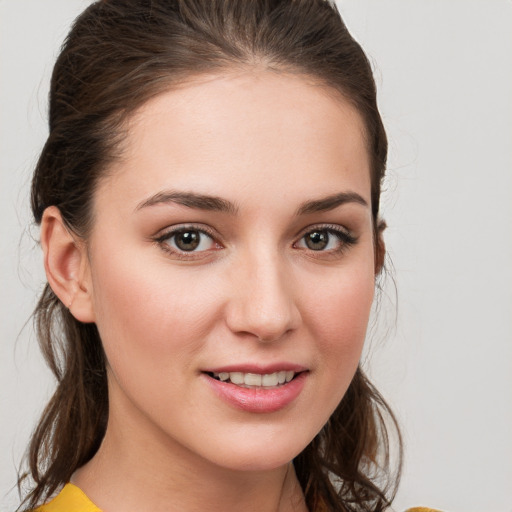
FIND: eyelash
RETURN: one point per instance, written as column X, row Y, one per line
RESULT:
column 163, row 240
column 345, row 238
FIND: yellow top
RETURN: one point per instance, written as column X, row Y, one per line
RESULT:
column 70, row 499
column 422, row 509
column 73, row 499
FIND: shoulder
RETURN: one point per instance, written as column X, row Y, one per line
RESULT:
column 70, row 499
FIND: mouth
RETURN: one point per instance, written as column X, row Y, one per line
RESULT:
column 258, row 389
column 255, row 380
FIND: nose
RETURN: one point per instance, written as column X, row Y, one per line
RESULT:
column 263, row 303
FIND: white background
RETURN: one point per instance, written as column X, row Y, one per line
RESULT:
column 444, row 70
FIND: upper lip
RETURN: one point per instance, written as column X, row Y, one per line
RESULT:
column 257, row 368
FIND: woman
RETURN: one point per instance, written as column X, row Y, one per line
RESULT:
column 208, row 198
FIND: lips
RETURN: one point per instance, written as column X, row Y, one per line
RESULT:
column 256, row 389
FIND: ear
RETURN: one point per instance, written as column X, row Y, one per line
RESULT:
column 380, row 246
column 66, row 265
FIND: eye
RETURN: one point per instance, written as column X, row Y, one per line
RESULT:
column 187, row 240
column 326, row 239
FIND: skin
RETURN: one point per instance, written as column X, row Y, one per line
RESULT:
column 254, row 292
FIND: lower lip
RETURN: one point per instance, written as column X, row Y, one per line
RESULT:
column 259, row 400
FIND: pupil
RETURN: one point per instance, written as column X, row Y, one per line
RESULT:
column 188, row 240
column 317, row 240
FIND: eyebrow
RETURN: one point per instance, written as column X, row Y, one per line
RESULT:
column 191, row 200
column 331, row 202
column 215, row 203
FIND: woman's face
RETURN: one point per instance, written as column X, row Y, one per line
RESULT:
column 231, row 250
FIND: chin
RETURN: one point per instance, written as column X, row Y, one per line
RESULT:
column 261, row 462
column 258, row 455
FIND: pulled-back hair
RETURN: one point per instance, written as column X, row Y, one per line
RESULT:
column 119, row 54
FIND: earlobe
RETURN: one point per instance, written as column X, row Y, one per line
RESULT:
column 66, row 265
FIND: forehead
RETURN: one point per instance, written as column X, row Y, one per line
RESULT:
column 239, row 133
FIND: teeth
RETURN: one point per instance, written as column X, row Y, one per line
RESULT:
column 236, row 377
column 252, row 379
column 270, row 380
column 255, row 379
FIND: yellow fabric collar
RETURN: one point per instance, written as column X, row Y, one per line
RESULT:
column 73, row 499
column 70, row 499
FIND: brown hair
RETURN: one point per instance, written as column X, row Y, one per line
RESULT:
column 119, row 54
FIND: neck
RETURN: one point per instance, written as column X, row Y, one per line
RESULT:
column 161, row 476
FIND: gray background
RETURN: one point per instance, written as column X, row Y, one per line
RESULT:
column 444, row 70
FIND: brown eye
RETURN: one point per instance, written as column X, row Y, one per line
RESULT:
column 188, row 240
column 330, row 240
column 317, row 240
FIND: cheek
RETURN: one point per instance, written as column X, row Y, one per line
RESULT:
column 342, row 308
column 339, row 319
column 147, row 312
column 336, row 316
